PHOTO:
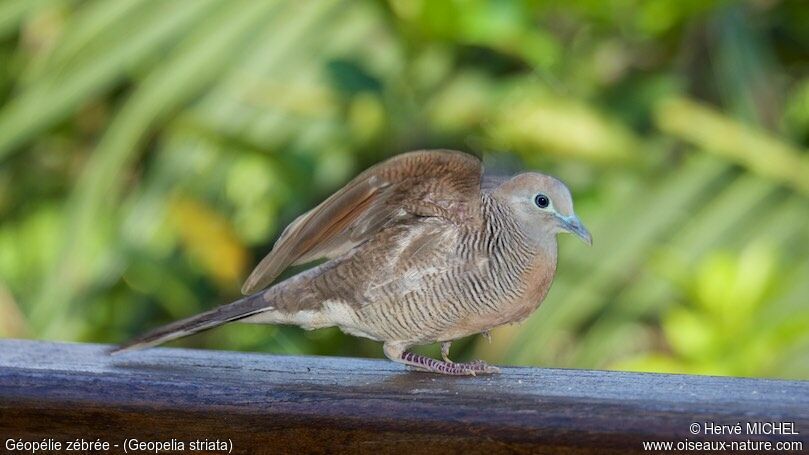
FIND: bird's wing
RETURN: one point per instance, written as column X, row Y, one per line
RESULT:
column 436, row 183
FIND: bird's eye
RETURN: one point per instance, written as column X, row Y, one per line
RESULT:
column 542, row 201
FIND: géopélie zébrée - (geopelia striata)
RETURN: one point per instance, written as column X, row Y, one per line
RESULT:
column 421, row 248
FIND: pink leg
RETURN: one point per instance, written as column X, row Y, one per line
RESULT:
column 397, row 353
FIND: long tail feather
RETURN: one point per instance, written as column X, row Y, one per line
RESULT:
column 239, row 309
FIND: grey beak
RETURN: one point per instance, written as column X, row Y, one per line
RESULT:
column 573, row 225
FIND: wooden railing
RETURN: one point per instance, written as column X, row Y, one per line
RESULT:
column 254, row 403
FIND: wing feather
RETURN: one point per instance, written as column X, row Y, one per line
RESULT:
column 437, row 183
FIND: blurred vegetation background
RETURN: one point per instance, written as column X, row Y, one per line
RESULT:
column 151, row 151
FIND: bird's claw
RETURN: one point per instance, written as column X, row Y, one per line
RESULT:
column 472, row 369
column 483, row 367
column 477, row 367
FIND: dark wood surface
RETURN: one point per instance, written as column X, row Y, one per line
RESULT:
column 283, row 404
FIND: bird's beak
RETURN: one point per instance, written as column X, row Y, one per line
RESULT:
column 573, row 225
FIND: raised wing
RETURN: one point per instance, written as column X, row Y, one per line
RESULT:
column 437, row 183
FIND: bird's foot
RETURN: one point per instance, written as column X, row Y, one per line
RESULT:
column 430, row 364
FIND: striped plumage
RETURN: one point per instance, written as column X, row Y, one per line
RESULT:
column 420, row 250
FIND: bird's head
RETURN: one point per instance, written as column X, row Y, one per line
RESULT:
column 542, row 205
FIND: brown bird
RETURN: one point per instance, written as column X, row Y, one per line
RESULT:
column 421, row 248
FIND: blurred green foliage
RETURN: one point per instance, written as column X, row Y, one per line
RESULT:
column 151, row 151
column 724, row 324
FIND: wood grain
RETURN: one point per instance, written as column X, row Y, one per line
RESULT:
column 285, row 404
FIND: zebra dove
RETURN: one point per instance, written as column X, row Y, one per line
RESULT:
column 421, row 248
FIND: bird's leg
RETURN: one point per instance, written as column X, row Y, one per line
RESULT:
column 445, row 351
column 397, row 353
column 488, row 335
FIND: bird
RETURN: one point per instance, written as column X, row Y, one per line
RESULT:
column 421, row 248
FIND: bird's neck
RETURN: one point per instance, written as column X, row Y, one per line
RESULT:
column 506, row 233
column 528, row 260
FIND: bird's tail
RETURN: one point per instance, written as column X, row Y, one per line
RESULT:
column 240, row 309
